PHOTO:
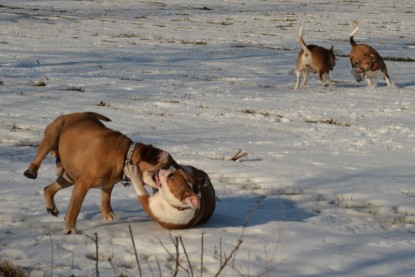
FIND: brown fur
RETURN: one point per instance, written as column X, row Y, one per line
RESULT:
column 367, row 61
column 315, row 59
column 203, row 187
column 93, row 156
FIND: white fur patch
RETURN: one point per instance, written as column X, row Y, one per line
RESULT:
column 166, row 213
column 164, row 157
column 148, row 179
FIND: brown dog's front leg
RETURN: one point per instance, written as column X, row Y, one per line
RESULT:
column 49, row 192
column 78, row 195
column 106, row 210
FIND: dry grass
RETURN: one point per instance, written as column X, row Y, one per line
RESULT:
column 9, row 270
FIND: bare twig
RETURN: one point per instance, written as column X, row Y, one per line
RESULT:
column 135, row 251
column 329, row 122
column 238, row 155
column 187, row 256
column 227, row 258
column 51, row 249
column 96, row 251
column 175, row 241
column 220, row 251
column 245, row 224
column 158, row 265
column 168, row 252
column 201, row 254
column 270, row 261
column 171, row 256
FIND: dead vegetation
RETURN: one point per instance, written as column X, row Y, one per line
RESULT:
column 329, row 122
column 9, row 270
column 237, row 155
column 178, row 259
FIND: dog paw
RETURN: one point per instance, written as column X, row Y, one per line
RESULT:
column 30, row 175
column 109, row 216
column 69, row 231
column 53, row 211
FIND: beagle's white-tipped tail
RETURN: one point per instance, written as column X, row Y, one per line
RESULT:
column 351, row 39
column 354, row 32
column 301, row 41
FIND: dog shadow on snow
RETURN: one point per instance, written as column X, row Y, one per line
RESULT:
column 232, row 211
column 254, row 211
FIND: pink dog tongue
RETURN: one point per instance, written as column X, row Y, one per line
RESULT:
column 359, row 69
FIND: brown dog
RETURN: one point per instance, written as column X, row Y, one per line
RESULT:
column 93, row 156
column 185, row 196
column 367, row 61
column 315, row 59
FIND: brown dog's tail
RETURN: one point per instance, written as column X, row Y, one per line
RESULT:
column 98, row 116
column 352, row 42
column 301, row 41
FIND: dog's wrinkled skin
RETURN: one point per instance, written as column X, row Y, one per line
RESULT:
column 366, row 61
column 315, row 59
column 92, row 156
column 185, row 196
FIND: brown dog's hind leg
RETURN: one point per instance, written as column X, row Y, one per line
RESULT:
column 299, row 73
column 106, row 210
column 306, row 74
column 49, row 143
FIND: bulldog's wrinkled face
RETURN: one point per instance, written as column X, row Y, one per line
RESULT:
column 364, row 62
column 176, row 189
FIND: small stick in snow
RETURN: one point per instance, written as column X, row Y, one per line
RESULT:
column 135, row 251
column 238, row 155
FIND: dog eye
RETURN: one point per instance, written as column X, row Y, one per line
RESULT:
column 170, row 176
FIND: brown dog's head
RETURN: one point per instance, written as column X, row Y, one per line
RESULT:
column 363, row 62
column 149, row 159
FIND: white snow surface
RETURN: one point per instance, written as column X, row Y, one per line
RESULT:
column 327, row 188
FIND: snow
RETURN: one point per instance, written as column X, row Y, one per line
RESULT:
column 201, row 80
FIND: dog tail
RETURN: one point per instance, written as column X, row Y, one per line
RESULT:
column 98, row 116
column 352, row 42
column 301, row 41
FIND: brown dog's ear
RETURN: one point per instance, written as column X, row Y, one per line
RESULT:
column 189, row 178
column 149, row 154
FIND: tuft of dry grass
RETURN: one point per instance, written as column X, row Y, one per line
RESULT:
column 9, row 270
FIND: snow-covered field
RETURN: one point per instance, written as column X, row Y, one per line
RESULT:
column 327, row 188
